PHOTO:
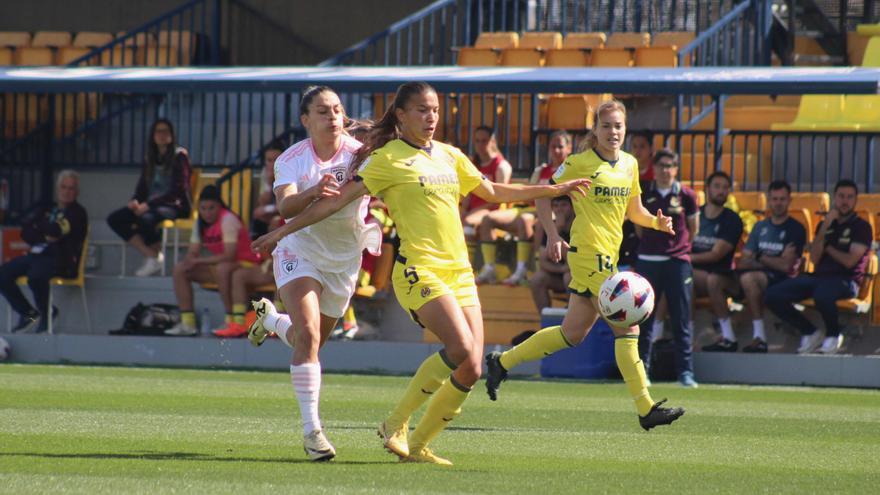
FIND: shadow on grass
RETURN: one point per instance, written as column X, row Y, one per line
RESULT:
column 180, row 456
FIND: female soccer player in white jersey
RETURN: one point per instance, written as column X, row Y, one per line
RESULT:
column 316, row 268
column 595, row 241
column 421, row 181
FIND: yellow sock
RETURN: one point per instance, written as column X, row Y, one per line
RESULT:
column 472, row 251
column 348, row 316
column 489, row 251
column 228, row 318
column 425, row 382
column 523, row 248
column 238, row 311
column 444, row 407
column 188, row 318
column 626, row 353
column 543, row 343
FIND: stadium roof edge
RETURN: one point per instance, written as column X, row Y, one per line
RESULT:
column 653, row 81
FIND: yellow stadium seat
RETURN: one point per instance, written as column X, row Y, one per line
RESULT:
column 474, row 110
column 656, row 56
column 34, row 56
column 570, row 112
column 22, row 113
column 118, row 56
column 611, row 57
column 542, row 40
column 628, row 40
column 91, row 39
column 156, row 56
column 196, row 182
column 815, row 112
column 679, row 39
column 701, row 197
column 68, row 54
column 856, row 44
column 584, row 40
column 51, row 39
column 516, row 115
column 754, row 201
column 477, row 57
column 139, row 39
column 15, row 39
column 567, row 57
column 522, row 57
column 861, row 304
column 817, row 203
column 864, row 112
column 5, row 56
column 181, row 42
column 498, row 40
column 872, row 53
column 868, row 29
column 762, row 101
column 871, row 203
column 803, row 217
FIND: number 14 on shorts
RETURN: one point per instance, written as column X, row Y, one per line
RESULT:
column 604, row 263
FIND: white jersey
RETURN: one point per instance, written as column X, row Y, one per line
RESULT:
column 335, row 243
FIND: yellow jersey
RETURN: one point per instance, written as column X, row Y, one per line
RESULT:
column 422, row 190
column 599, row 216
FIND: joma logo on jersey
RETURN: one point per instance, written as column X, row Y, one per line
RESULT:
column 612, row 191
column 438, row 180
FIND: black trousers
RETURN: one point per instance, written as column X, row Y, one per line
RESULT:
column 126, row 224
column 39, row 269
column 675, row 279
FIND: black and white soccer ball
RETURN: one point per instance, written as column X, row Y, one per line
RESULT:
column 626, row 299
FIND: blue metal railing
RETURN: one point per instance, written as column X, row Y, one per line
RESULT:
column 429, row 36
column 740, row 37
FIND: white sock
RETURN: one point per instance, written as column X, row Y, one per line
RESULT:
column 758, row 329
column 520, row 267
column 279, row 324
column 657, row 331
column 306, row 379
column 727, row 329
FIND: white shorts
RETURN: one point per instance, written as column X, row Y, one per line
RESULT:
column 338, row 286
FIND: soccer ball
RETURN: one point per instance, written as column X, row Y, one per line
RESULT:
column 626, row 299
column 4, row 349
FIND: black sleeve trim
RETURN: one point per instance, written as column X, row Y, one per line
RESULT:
column 357, row 178
column 552, row 181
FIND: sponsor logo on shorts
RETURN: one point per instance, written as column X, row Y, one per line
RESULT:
column 426, row 291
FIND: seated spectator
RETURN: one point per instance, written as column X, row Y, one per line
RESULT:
column 840, row 253
column 491, row 162
column 520, row 220
column 54, row 233
column 162, row 193
column 772, row 254
column 641, row 144
column 551, row 276
column 712, row 256
column 265, row 216
column 222, row 234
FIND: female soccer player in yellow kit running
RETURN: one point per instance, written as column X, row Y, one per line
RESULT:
column 595, row 241
column 422, row 181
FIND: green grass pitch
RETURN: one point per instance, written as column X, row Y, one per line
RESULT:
column 118, row 430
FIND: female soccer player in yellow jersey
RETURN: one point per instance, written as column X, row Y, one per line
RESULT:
column 592, row 256
column 421, row 181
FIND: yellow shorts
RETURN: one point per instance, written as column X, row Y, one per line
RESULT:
column 416, row 285
column 588, row 271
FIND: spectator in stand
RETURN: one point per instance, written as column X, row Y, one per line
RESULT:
column 162, row 193
column 520, row 220
column 712, row 256
column 641, row 145
column 491, row 163
column 265, row 216
column 840, row 253
column 771, row 255
column 227, row 242
column 550, row 275
column 54, row 233
column 665, row 260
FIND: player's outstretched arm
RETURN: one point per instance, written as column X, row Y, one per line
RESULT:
column 494, row 192
column 640, row 215
column 318, row 211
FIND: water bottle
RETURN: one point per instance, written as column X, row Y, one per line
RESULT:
column 205, row 322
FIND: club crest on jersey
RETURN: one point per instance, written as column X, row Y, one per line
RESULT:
column 339, row 173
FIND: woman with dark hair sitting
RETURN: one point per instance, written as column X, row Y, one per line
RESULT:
column 162, row 193
column 227, row 243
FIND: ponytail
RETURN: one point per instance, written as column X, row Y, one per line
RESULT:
column 386, row 129
column 591, row 140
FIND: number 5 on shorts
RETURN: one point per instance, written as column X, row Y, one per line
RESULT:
column 411, row 276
